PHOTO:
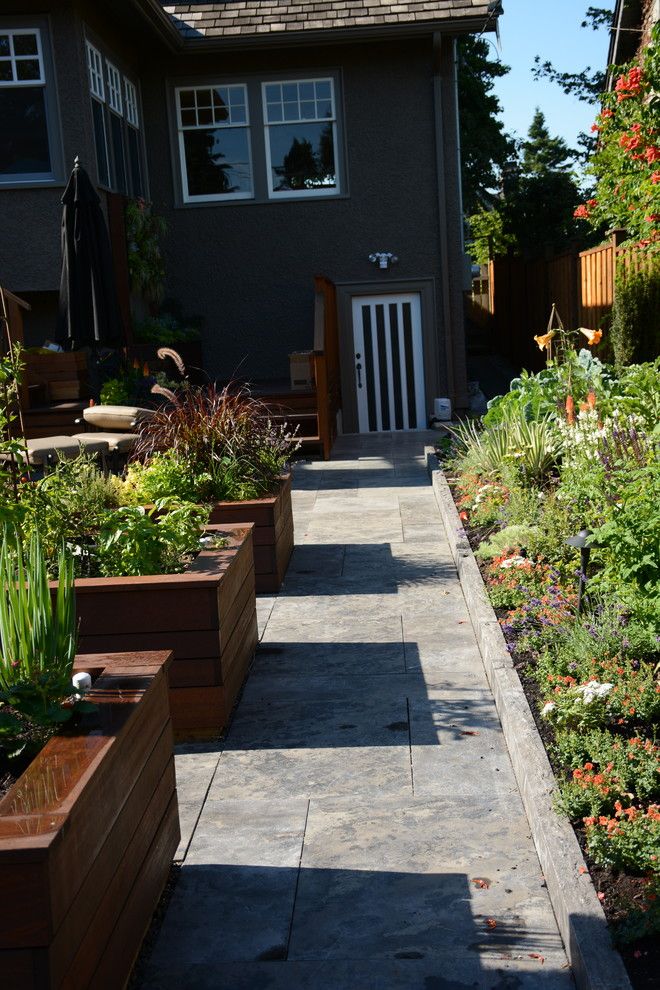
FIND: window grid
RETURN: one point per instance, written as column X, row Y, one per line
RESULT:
column 114, row 88
column 217, row 106
column 307, row 100
column 95, row 67
column 131, row 103
column 299, row 101
column 21, row 60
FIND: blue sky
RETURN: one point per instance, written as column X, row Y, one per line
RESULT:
column 551, row 29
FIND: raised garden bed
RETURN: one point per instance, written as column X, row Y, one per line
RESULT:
column 578, row 910
column 87, row 835
column 273, row 532
column 207, row 615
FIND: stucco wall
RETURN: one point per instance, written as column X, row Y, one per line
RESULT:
column 30, row 218
column 248, row 268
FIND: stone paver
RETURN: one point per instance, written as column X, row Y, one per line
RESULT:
column 360, row 826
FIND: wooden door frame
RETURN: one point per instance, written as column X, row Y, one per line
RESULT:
column 346, row 291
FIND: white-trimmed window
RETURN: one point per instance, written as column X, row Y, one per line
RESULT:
column 300, row 124
column 214, row 142
column 25, row 147
column 116, row 125
column 131, row 103
column 114, row 89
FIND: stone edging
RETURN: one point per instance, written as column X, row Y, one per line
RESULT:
column 596, row 964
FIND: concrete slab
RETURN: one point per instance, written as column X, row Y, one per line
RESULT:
column 335, row 838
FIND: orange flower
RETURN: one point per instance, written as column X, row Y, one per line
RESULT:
column 145, row 370
column 544, row 340
column 570, row 409
column 591, row 400
column 593, row 336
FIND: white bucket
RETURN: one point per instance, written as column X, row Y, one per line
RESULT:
column 442, row 409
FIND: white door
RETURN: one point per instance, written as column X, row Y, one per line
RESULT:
column 388, row 360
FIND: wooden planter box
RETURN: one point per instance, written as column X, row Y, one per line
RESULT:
column 207, row 615
column 273, row 533
column 87, row 835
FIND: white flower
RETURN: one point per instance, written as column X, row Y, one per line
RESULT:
column 513, row 562
column 547, row 708
column 593, row 689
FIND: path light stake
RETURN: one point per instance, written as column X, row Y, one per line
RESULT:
column 581, row 542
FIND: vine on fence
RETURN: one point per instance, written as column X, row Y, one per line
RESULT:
column 626, row 163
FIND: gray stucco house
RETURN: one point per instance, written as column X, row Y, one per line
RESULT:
column 280, row 140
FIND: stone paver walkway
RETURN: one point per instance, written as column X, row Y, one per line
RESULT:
column 360, row 828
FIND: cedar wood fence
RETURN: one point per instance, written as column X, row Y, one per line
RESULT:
column 514, row 301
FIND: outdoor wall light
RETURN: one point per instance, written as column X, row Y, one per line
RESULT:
column 581, row 543
column 383, row 259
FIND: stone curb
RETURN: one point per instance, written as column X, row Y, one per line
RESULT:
column 595, row 963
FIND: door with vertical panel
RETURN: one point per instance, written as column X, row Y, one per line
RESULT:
column 388, row 359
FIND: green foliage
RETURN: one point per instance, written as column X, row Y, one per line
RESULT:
column 166, row 329
column 37, row 636
column 160, row 540
column 67, row 506
column 212, row 444
column 11, row 447
column 535, row 396
column 604, row 767
column 636, row 314
column 144, row 231
column 488, row 235
column 626, row 163
column 484, row 145
column 530, row 448
column 638, row 394
column 510, row 538
column 628, row 841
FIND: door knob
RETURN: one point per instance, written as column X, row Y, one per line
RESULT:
column 358, row 368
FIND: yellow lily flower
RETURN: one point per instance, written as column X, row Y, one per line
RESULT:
column 593, row 336
column 544, row 340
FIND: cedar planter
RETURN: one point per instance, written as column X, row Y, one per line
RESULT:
column 87, row 835
column 207, row 615
column 273, row 532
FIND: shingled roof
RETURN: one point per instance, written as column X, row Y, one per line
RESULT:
column 243, row 19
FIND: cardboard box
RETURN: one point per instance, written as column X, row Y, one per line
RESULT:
column 302, row 376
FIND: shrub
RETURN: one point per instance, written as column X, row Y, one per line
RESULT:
column 630, row 840
column 225, row 437
column 636, row 315
column 604, row 767
column 67, row 507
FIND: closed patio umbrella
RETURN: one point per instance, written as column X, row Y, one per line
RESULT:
column 88, row 309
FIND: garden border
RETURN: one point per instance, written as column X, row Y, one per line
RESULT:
column 596, row 964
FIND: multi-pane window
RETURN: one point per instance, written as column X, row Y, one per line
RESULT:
column 224, row 158
column 25, row 151
column 300, row 125
column 116, row 119
column 214, row 142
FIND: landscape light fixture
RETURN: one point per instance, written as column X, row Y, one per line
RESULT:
column 581, row 543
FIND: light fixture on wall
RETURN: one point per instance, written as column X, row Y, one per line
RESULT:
column 383, row 259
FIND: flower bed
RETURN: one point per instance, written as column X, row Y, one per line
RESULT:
column 592, row 678
column 87, row 835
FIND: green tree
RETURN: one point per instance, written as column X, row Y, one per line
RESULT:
column 588, row 84
column 485, row 147
column 541, row 194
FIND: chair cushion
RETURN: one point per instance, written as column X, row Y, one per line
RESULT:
column 122, row 443
column 40, row 449
column 116, row 417
column 91, row 443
